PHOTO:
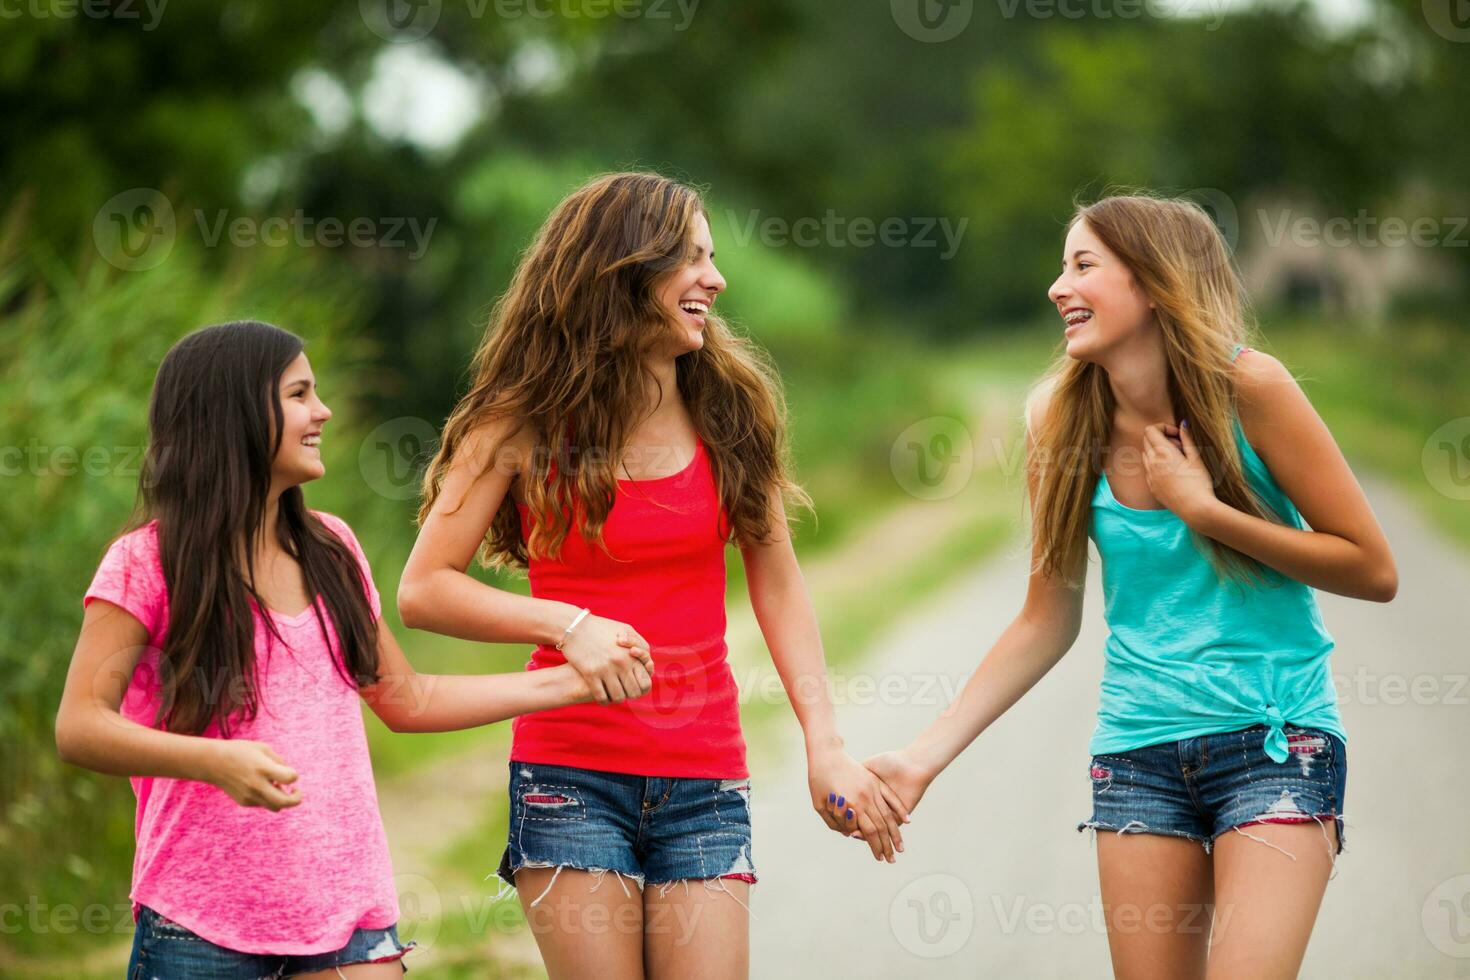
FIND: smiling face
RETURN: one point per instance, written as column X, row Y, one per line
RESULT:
column 303, row 414
column 688, row 292
column 1101, row 304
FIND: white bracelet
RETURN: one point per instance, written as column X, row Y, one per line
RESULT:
column 568, row 631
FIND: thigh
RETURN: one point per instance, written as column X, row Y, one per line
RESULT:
column 700, row 866
column 1267, row 903
column 1278, row 837
column 582, row 929
column 697, row 928
column 1157, row 895
column 165, row 950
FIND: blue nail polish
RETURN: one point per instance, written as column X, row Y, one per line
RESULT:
column 849, row 814
column 841, row 800
column 831, row 797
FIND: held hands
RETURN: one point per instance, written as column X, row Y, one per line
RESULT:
column 1176, row 473
column 252, row 774
column 612, row 657
column 856, row 803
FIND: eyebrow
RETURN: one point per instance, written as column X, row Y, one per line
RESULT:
column 309, row 382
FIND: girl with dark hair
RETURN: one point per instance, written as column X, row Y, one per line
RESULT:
column 616, row 436
column 227, row 639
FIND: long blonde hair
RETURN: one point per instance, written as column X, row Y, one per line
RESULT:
column 1181, row 262
column 564, row 353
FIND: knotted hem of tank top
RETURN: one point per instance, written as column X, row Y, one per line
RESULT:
column 1276, row 744
column 507, row 887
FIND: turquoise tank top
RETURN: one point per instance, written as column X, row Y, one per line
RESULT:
column 1188, row 654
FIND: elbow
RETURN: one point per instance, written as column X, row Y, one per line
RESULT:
column 1385, row 585
column 68, row 749
column 410, row 605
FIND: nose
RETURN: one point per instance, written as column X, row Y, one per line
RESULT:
column 1059, row 290
column 712, row 281
column 323, row 412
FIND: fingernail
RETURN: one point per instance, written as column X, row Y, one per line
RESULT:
column 841, row 800
column 831, row 797
column 849, row 814
column 1184, row 424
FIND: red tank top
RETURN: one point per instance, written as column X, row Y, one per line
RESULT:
column 663, row 573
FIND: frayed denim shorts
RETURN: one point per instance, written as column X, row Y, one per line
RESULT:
column 1202, row 787
column 166, row 950
column 652, row 829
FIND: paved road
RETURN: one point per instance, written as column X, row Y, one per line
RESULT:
column 996, row 882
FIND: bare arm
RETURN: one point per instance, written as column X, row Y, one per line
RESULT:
column 91, row 732
column 1345, row 551
column 437, row 593
column 783, row 608
column 408, row 701
column 1032, row 644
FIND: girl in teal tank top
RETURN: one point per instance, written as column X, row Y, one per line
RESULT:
column 1217, row 723
column 1188, row 655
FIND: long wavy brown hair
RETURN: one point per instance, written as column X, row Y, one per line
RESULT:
column 214, row 426
column 564, row 352
column 1182, row 263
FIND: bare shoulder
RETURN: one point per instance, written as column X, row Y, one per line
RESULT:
column 1272, row 406
column 1038, row 402
column 500, row 441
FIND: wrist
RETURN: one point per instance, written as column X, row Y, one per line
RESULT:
column 558, row 618
column 1203, row 516
column 823, row 741
column 202, row 762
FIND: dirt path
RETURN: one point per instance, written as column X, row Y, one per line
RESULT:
column 996, row 881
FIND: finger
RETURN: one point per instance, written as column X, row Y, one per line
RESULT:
column 827, row 817
column 599, row 690
column 279, row 774
column 870, row 834
column 890, row 820
column 894, row 802
column 276, row 800
column 272, row 753
column 884, row 828
column 1186, row 436
column 645, row 682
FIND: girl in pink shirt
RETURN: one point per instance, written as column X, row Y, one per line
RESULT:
column 227, row 639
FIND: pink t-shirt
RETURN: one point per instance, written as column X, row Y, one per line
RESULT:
column 292, row 883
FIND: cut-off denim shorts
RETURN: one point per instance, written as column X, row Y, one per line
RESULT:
column 655, row 830
column 1202, row 787
column 166, row 950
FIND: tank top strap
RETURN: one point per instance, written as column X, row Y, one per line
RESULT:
column 1239, row 349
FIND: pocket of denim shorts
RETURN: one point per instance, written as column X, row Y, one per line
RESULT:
column 551, row 801
column 732, row 800
column 162, row 928
column 1314, row 743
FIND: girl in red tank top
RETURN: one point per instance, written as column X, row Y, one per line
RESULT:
column 616, row 437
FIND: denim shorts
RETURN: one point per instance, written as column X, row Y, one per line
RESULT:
column 1206, row 786
column 164, row 949
column 652, row 829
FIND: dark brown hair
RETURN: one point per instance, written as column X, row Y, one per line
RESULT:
column 215, row 424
